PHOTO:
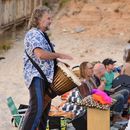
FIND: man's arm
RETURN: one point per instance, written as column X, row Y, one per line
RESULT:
column 102, row 85
column 46, row 55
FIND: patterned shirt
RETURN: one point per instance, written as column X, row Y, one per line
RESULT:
column 71, row 105
column 34, row 38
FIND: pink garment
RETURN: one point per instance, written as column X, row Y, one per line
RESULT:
column 105, row 98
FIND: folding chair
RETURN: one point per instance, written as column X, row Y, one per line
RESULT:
column 18, row 114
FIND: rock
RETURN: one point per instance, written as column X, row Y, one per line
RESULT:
column 79, row 29
column 65, row 30
column 121, row 34
column 1, row 58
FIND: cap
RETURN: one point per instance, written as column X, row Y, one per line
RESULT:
column 108, row 61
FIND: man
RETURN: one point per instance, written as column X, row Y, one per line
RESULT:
column 109, row 74
column 40, row 49
column 121, row 96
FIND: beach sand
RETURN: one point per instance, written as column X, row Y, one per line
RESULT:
column 89, row 45
column 11, row 73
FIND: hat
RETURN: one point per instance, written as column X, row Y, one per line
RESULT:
column 108, row 61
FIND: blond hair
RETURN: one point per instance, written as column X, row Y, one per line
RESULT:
column 82, row 67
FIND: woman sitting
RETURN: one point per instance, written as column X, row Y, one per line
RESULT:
column 86, row 73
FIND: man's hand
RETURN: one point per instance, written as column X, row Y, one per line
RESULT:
column 112, row 90
column 46, row 55
column 64, row 56
column 102, row 86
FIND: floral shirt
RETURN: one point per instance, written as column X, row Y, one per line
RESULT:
column 34, row 38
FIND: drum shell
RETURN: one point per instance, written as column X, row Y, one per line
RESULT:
column 61, row 83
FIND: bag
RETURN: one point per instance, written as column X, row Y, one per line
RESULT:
column 121, row 82
column 84, row 90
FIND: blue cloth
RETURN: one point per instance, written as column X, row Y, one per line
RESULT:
column 122, row 98
column 34, row 38
column 35, row 117
column 39, row 95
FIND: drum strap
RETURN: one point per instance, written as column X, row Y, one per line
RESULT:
column 49, row 91
column 52, row 49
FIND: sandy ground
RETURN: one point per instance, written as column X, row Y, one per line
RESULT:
column 11, row 83
column 11, row 76
column 81, row 46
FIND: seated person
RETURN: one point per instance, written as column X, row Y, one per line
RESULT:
column 126, row 66
column 79, row 121
column 86, row 72
column 120, row 96
column 109, row 74
column 70, row 105
column 126, row 58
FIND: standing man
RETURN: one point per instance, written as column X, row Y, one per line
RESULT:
column 40, row 49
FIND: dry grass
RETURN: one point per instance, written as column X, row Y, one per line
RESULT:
column 62, row 3
column 4, row 46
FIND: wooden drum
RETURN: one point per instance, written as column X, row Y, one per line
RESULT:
column 64, row 80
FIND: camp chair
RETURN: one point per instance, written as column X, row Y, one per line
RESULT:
column 17, row 114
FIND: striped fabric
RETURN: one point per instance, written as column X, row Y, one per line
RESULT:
column 71, row 106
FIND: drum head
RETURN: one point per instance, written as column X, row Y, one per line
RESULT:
column 69, row 73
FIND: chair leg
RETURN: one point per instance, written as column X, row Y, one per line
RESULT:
column 20, row 123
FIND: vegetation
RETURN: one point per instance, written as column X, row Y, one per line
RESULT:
column 46, row 3
column 62, row 3
column 5, row 46
column 49, row 3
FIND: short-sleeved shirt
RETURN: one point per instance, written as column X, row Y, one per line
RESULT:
column 34, row 38
column 109, row 76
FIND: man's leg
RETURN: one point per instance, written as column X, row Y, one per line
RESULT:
column 118, row 106
column 43, row 121
column 125, row 93
column 35, row 110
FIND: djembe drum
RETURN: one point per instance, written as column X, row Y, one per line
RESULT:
column 64, row 81
column 76, row 71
